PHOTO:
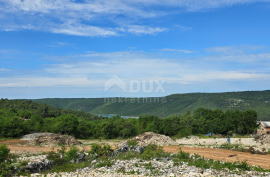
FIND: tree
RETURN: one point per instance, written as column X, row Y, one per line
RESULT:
column 249, row 121
column 67, row 124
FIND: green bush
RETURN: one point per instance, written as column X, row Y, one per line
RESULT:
column 104, row 150
column 128, row 155
column 6, row 167
column 132, row 143
column 153, row 151
column 56, row 158
column 4, row 152
column 104, row 163
column 72, row 153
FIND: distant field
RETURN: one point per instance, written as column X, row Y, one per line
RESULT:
column 169, row 105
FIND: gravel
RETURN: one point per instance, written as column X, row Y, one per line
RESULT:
column 32, row 136
column 158, row 167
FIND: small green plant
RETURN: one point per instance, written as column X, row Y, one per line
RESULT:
column 72, row 153
column 62, row 150
column 104, row 150
column 132, row 143
column 104, row 163
column 6, row 166
column 153, row 151
column 24, row 163
column 55, row 157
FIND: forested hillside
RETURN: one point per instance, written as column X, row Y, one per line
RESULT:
column 176, row 104
column 19, row 117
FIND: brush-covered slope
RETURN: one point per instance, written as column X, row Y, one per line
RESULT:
column 169, row 105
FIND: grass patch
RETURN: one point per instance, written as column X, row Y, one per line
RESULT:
column 67, row 167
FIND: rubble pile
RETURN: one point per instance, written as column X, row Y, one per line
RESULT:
column 262, row 138
column 32, row 136
column 152, row 138
column 54, row 139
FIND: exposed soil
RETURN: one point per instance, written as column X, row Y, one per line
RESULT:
column 9, row 142
column 216, row 154
column 224, row 155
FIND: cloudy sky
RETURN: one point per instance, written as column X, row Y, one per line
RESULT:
column 71, row 48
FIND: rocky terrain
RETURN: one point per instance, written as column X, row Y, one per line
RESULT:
column 53, row 139
column 262, row 139
column 152, row 138
column 155, row 167
column 137, row 167
column 32, row 136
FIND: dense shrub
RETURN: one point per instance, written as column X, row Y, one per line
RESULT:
column 132, row 143
column 104, row 150
column 6, row 167
column 72, row 153
column 153, row 151
column 4, row 152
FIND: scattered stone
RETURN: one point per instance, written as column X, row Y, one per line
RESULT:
column 126, row 148
column 262, row 138
column 81, row 158
column 152, row 138
column 30, row 137
column 54, row 139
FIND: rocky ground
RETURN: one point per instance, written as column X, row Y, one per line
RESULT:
column 152, row 138
column 194, row 141
column 155, row 167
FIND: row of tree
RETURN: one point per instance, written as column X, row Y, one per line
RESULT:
column 85, row 125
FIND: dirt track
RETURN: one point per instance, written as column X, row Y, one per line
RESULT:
column 216, row 154
column 223, row 155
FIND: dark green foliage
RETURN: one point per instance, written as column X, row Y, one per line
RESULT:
column 72, row 153
column 66, row 124
column 132, row 143
column 104, row 150
column 4, row 152
column 6, row 167
column 56, row 157
column 85, row 125
column 152, row 151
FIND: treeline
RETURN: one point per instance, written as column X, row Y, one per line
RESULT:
column 84, row 125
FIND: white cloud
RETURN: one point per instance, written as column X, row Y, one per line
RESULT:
column 83, row 30
column 77, row 18
column 138, row 29
column 92, row 69
column 4, row 70
column 49, row 82
column 58, row 44
column 177, row 50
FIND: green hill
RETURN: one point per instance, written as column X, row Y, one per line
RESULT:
column 169, row 105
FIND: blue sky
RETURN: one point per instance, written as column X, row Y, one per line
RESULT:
column 67, row 48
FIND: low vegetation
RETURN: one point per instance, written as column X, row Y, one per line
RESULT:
column 155, row 152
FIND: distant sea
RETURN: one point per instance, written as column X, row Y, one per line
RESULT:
column 111, row 115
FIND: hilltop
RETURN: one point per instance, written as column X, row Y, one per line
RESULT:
column 169, row 105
